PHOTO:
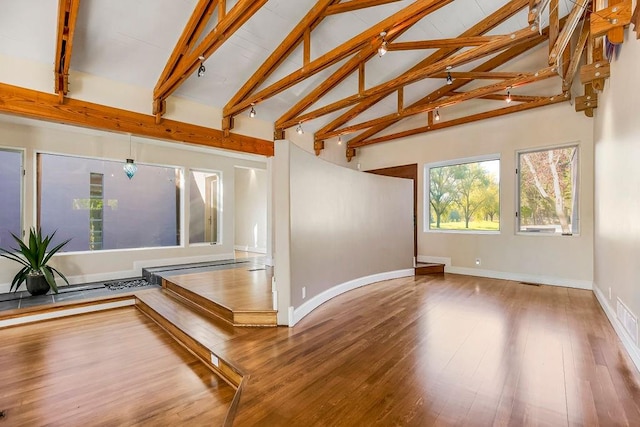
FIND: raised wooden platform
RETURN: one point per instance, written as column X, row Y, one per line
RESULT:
column 113, row 367
column 423, row 268
column 240, row 296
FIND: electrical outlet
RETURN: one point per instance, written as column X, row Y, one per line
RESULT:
column 304, row 292
column 478, row 261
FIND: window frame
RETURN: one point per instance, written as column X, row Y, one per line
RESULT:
column 220, row 209
column 517, row 174
column 426, row 228
column 180, row 210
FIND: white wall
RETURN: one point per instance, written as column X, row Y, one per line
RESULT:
column 250, row 209
column 86, row 87
column 544, row 259
column 340, row 229
column 617, row 225
column 34, row 136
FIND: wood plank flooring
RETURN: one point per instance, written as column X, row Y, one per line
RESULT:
column 427, row 350
column 109, row 368
column 235, row 288
column 451, row 350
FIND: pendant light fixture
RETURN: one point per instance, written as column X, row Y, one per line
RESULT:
column 508, row 99
column 130, row 168
column 449, row 79
column 299, row 129
column 383, row 46
column 201, row 69
column 252, row 113
column 436, row 116
column 339, row 140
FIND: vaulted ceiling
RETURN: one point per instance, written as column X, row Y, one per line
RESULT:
column 317, row 64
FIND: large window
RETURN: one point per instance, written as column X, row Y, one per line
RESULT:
column 548, row 191
column 11, row 195
column 93, row 202
column 464, row 195
column 204, row 207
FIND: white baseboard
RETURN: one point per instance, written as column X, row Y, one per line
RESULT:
column 135, row 272
column 298, row 313
column 250, row 249
column 627, row 341
column 506, row 275
column 521, row 277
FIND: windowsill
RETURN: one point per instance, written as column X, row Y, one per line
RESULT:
column 543, row 234
column 490, row 232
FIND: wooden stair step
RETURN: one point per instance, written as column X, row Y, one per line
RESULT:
column 198, row 332
column 423, row 268
column 233, row 317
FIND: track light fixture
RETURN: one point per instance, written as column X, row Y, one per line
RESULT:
column 299, row 129
column 339, row 140
column 201, row 69
column 252, row 113
column 436, row 116
column 508, row 99
column 383, row 46
column 449, row 79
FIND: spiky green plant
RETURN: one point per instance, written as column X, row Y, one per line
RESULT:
column 34, row 256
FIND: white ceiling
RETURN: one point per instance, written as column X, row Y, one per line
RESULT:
column 130, row 41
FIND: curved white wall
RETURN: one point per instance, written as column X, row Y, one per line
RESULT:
column 336, row 229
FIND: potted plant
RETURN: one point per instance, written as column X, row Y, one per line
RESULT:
column 34, row 256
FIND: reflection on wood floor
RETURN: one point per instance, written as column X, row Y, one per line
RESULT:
column 109, row 368
column 418, row 351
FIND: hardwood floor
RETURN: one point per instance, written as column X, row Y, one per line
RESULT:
column 108, row 368
column 235, row 288
column 418, row 351
column 452, row 350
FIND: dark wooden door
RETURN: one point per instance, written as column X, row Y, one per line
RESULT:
column 409, row 172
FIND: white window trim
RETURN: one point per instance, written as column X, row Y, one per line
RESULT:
column 517, row 188
column 220, row 208
column 427, row 195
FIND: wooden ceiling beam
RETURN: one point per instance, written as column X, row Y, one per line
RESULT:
column 288, row 45
column 564, row 38
column 412, row 77
column 521, row 80
column 503, row 97
column 567, row 80
column 190, row 34
column 67, row 16
column 482, row 27
column 232, row 20
column 612, row 20
column 554, row 26
column 473, row 75
column 458, row 42
column 535, row 9
column 463, row 120
column 358, row 61
column 492, row 63
column 350, row 6
column 43, row 106
column 391, row 25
